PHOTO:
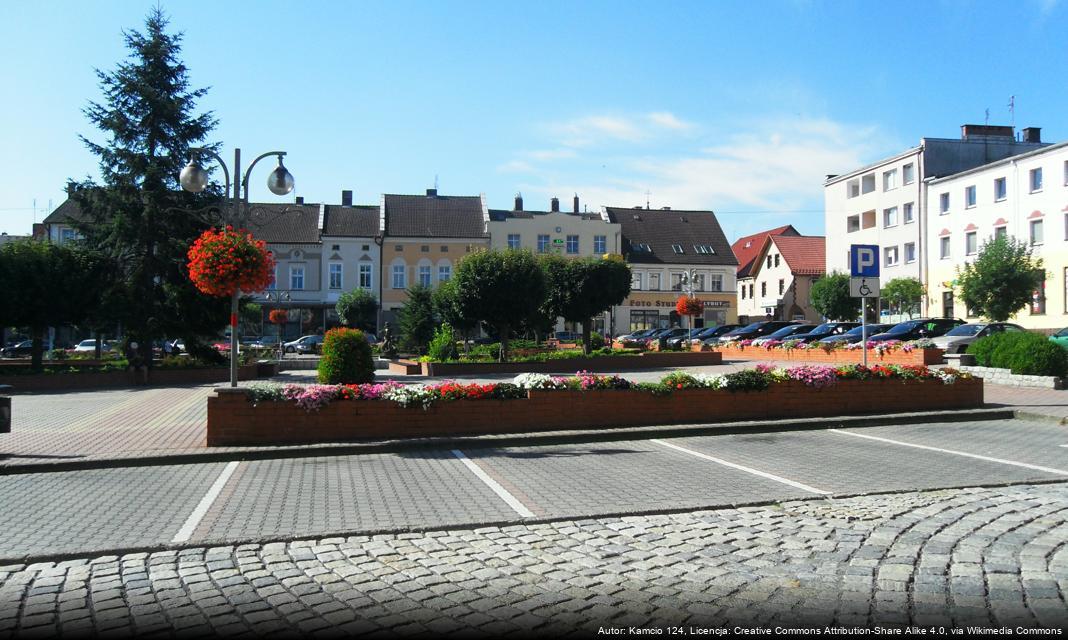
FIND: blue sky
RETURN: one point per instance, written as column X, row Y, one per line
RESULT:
column 739, row 107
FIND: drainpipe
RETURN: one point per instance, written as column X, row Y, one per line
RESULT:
column 921, row 240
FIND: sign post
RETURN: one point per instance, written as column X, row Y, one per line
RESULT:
column 864, row 283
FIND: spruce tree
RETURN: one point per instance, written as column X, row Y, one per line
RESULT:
column 139, row 214
column 416, row 320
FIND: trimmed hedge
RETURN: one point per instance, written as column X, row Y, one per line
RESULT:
column 1023, row 352
column 346, row 358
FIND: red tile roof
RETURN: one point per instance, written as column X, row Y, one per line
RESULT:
column 747, row 248
column 806, row 255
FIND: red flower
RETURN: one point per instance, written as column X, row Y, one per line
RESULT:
column 222, row 262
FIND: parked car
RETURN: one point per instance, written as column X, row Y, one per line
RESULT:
column 1061, row 338
column 661, row 338
column 786, row 333
column 757, row 330
column 825, row 330
column 916, row 329
column 958, row 339
column 713, row 336
column 700, row 334
column 305, row 344
column 266, row 341
column 89, row 346
column 636, row 335
column 18, row 350
column 854, row 335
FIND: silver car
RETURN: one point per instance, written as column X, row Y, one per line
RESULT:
column 958, row 340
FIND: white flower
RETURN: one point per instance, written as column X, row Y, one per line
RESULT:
column 709, row 381
column 537, row 381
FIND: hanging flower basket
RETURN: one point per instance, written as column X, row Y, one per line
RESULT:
column 224, row 261
column 687, row 306
column 278, row 316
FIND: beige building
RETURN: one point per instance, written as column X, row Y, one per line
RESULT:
column 1026, row 197
column 662, row 247
column 571, row 234
column 780, row 279
column 423, row 239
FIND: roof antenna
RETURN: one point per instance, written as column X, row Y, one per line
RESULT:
column 435, row 182
column 647, row 194
column 987, row 121
column 1012, row 110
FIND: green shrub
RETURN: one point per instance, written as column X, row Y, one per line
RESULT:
column 748, row 380
column 443, row 345
column 1023, row 352
column 346, row 358
column 58, row 354
column 983, row 349
column 596, row 341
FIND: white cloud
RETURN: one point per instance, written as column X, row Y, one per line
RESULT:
column 669, row 121
column 515, row 166
column 550, row 154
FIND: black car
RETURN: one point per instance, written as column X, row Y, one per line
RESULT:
column 916, row 329
column 702, row 334
column 786, row 333
column 641, row 334
column 719, row 332
column 663, row 336
column 757, row 330
column 19, row 350
column 825, row 330
column 854, row 335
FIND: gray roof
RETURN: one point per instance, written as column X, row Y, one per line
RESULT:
column 358, row 221
column 659, row 229
column 434, row 216
column 500, row 215
column 64, row 213
column 285, row 223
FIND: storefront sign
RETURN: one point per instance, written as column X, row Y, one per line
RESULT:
column 709, row 304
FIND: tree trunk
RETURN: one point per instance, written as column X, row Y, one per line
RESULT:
column 37, row 349
column 503, row 330
column 97, row 347
column 586, row 335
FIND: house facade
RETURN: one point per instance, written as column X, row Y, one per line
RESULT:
column 884, row 203
column 1026, row 197
column 746, row 250
column 571, row 234
column 779, row 280
column 662, row 246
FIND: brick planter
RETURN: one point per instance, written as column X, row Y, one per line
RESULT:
column 234, row 421
column 836, row 356
column 157, row 377
column 571, row 365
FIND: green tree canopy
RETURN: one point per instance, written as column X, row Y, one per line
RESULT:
column 578, row 290
column 359, row 309
column 830, row 298
column 139, row 215
column 416, row 320
column 1001, row 280
column 501, row 288
column 903, row 295
column 447, row 309
column 45, row 284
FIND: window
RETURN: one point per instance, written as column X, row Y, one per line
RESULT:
column 969, row 197
column 867, row 183
column 66, row 235
column 572, row 245
column 704, row 249
column 677, row 248
column 400, row 276
column 867, row 219
column 999, row 189
column 444, row 248
column 943, row 247
column 424, row 276
column 715, row 282
column 636, row 281
column 1036, row 179
column 274, row 278
column 890, row 217
column 654, row 282
column 296, row 278
column 366, row 247
column 970, row 243
column 853, row 188
column 890, row 256
column 600, row 245
column 513, row 240
column 1036, row 232
column 335, row 275
column 1065, row 275
column 425, row 248
column 398, row 247
column 908, row 174
column 769, row 262
column 890, row 180
column 782, row 286
column 676, row 282
column 776, row 259
column 444, row 273
column 852, row 224
column 907, row 214
column 1000, row 232
column 1066, row 173
column 763, row 289
column 943, row 203
column 910, row 252
column 543, row 243
column 365, row 276
column 699, row 282
column 1038, row 300
column 335, row 247
column 640, row 320
column 947, row 304
column 751, row 289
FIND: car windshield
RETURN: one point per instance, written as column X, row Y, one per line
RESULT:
column 789, row 331
column 823, row 329
column 87, row 343
column 904, row 327
column 967, row 330
column 1062, row 333
column 755, row 325
column 872, row 330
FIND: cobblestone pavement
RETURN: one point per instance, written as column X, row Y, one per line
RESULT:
column 989, row 557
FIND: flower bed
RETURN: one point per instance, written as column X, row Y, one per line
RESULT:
column 919, row 352
column 632, row 362
column 262, row 415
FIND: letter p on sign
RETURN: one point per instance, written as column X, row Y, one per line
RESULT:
column 864, row 260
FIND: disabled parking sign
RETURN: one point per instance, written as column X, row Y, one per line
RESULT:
column 864, row 260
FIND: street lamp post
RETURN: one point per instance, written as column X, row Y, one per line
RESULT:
column 688, row 279
column 194, row 178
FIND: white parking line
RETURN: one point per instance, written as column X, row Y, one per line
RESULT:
column 756, row 472
column 205, row 503
column 503, row 493
column 1014, row 463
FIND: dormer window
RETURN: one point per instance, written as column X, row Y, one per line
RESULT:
column 704, row 249
column 677, row 248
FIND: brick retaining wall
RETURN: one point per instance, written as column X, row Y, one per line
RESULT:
column 571, row 365
column 835, row 356
column 157, row 377
column 234, row 421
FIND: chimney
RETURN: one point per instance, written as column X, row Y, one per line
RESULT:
column 576, row 203
column 39, row 231
column 432, row 193
column 990, row 132
column 299, row 200
column 554, row 205
column 346, row 198
column 1032, row 134
column 518, row 202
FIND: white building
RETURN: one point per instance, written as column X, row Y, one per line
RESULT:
column 883, row 203
column 1025, row 196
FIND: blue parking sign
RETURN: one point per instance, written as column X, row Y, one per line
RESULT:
column 864, row 260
